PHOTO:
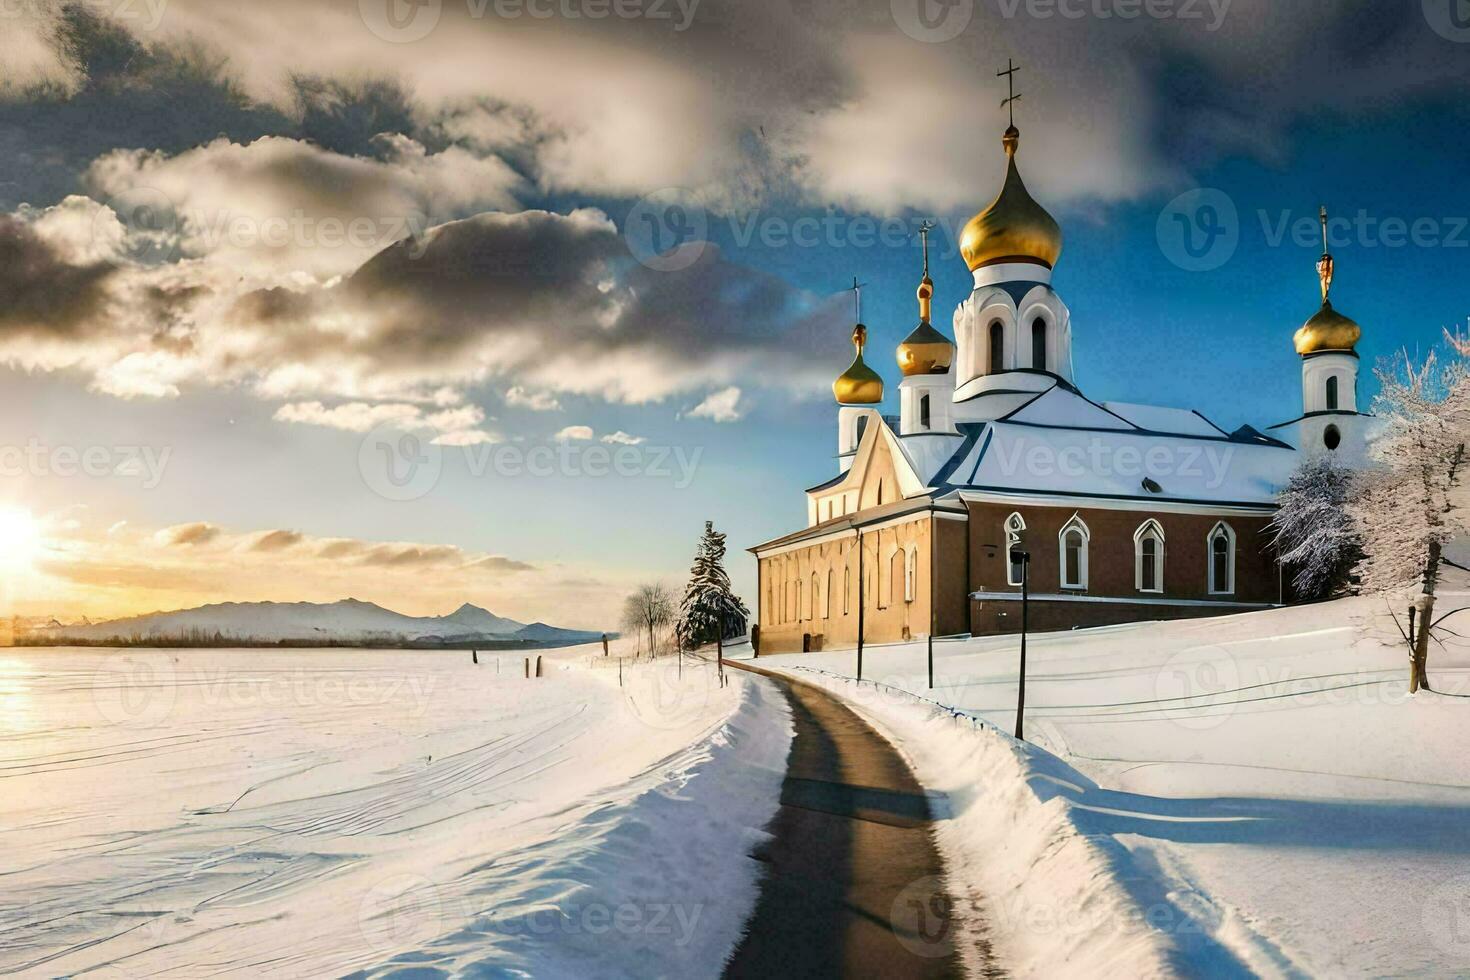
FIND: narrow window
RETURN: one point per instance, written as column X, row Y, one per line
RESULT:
column 1332, row 393
column 1148, row 543
column 862, row 426
column 1074, row 539
column 997, row 347
column 1222, row 559
column 827, row 596
column 846, row 591
column 923, row 411
column 880, row 493
column 910, row 574
column 1038, row 344
column 812, row 609
column 797, row 605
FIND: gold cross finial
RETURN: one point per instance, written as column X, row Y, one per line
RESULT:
column 1011, row 96
column 857, row 299
column 1325, row 265
column 924, row 228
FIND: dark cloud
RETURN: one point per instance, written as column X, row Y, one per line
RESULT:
column 41, row 294
column 398, row 556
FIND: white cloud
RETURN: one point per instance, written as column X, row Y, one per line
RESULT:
column 536, row 401
column 456, row 426
column 621, row 438
column 574, row 433
column 720, row 406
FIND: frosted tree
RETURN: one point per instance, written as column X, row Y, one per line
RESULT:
column 647, row 611
column 710, row 610
column 1409, row 506
column 1313, row 532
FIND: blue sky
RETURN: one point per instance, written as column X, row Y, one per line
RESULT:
column 266, row 371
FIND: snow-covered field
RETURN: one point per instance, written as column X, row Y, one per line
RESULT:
column 1245, row 795
column 310, row 813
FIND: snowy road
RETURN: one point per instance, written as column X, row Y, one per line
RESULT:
column 1273, row 800
column 217, row 813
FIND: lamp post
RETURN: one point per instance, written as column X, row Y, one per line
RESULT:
column 1024, row 558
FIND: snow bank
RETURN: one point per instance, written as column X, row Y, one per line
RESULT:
column 655, row 880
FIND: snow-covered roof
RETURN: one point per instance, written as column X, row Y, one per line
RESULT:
column 1060, row 443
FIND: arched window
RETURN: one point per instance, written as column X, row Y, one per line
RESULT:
column 1014, row 569
column 896, row 572
column 997, row 347
column 1332, row 438
column 923, row 411
column 846, row 591
column 796, row 605
column 827, row 596
column 910, row 573
column 1222, row 559
column 1038, row 344
column 812, row 607
column 1148, row 557
column 862, row 426
column 1332, row 393
column 770, row 603
column 1073, row 542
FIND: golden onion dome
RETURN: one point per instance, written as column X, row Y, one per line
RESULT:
column 926, row 350
column 859, row 384
column 1327, row 330
column 1014, row 228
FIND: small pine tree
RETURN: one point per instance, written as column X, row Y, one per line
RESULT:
column 710, row 609
column 1313, row 531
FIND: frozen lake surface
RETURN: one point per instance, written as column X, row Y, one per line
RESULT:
column 303, row 813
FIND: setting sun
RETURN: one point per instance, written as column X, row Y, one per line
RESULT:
column 20, row 540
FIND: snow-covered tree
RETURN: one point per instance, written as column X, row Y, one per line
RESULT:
column 647, row 611
column 1313, row 532
column 1409, row 506
column 710, row 610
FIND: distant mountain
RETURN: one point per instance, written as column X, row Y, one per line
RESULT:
column 349, row 622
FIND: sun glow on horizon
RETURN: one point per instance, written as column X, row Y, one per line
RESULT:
column 20, row 540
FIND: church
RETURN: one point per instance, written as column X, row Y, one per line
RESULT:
column 999, row 470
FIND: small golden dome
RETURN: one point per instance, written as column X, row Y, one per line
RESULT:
column 1327, row 330
column 1014, row 228
column 926, row 350
column 859, row 384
